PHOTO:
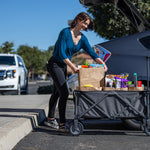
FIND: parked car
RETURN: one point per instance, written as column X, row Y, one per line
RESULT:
column 13, row 74
column 129, row 55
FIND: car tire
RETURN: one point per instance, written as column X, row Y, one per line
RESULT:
column 18, row 92
column 25, row 91
column 131, row 124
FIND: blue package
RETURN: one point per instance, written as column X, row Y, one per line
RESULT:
column 95, row 65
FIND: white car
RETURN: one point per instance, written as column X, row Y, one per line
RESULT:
column 13, row 74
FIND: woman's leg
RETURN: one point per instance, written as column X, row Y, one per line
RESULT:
column 53, row 102
column 59, row 78
column 63, row 102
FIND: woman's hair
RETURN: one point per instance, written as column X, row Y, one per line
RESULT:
column 83, row 17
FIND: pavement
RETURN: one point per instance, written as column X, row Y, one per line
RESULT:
column 19, row 115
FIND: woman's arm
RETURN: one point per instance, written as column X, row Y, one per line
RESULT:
column 98, row 60
column 76, row 70
column 92, row 53
column 71, row 65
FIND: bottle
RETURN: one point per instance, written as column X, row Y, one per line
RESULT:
column 135, row 79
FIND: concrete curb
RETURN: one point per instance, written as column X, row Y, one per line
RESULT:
column 22, row 125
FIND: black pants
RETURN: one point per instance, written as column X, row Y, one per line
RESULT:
column 58, row 72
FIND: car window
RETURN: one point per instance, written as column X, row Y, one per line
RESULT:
column 7, row 60
column 145, row 41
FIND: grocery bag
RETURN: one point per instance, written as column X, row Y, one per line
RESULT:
column 91, row 76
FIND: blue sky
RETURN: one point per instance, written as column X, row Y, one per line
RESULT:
column 38, row 22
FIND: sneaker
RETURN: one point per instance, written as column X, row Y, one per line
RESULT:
column 63, row 128
column 51, row 123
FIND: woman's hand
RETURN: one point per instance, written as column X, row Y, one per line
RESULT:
column 105, row 68
column 71, row 65
column 75, row 69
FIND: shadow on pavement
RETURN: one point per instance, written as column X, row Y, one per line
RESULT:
column 94, row 127
column 24, row 113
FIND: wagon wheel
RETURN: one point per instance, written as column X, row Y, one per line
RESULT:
column 76, row 130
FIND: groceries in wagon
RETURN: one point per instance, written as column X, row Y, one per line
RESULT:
column 91, row 66
column 116, row 82
column 91, row 77
column 136, row 85
column 121, row 82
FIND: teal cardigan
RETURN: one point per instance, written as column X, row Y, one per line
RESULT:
column 65, row 48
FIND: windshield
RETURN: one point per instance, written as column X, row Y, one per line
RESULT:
column 7, row 60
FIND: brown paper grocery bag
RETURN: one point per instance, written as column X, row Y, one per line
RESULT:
column 93, row 76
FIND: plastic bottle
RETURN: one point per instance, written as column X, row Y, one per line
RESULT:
column 135, row 79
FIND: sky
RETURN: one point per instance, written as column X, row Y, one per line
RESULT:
column 38, row 22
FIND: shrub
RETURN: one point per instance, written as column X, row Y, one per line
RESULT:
column 45, row 89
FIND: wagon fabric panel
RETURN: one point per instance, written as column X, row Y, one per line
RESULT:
column 112, row 104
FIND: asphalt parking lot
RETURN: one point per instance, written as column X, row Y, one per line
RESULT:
column 100, row 134
column 104, row 135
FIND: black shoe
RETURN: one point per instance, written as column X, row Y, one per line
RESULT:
column 63, row 128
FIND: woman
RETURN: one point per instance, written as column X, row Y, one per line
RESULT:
column 70, row 41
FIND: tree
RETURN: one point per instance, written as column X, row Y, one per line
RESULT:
column 7, row 47
column 50, row 49
column 111, row 23
column 31, row 57
column 46, row 56
column 34, row 59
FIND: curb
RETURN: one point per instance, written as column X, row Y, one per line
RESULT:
column 12, row 133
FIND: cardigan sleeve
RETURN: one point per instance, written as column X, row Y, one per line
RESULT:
column 86, row 46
